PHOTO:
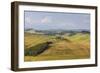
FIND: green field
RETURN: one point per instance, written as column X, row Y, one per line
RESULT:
column 65, row 47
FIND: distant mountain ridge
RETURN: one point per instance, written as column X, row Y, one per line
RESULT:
column 56, row 31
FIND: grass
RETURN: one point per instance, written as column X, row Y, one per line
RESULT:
column 76, row 46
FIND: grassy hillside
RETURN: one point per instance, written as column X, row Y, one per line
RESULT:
column 66, row 47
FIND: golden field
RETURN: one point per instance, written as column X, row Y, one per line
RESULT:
column 76, row 46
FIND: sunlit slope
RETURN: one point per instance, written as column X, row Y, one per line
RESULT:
column 76, row 46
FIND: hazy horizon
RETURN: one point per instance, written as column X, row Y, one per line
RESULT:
column 56, row 20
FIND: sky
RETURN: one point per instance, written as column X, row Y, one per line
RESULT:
column 56, row 20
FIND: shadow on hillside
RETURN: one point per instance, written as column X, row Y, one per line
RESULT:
column 36, row 50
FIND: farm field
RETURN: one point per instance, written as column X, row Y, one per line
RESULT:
column 76, row 46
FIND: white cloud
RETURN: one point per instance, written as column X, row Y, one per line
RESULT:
column 46, row 20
